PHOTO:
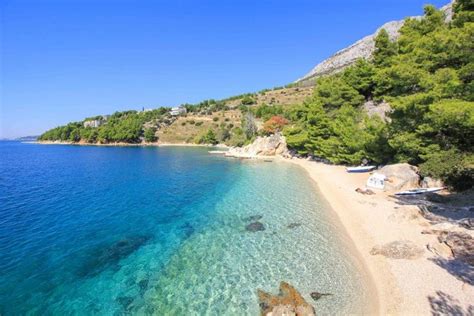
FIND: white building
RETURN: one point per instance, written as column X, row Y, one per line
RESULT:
column 92, row 123
column 178, row 110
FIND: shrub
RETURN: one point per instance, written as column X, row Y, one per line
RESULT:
column 275, row 124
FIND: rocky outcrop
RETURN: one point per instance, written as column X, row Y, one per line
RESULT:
column 273, row 145
column 288, row 302
column 363, row 48
column 461, row 244
column 400, row 176
column 381, row 109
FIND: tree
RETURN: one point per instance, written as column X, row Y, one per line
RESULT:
column 333, row 92
column 385, row 49
column 249, row 126
column 149, row 135
column 360, row 76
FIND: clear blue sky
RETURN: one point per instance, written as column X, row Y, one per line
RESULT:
column 64, row 60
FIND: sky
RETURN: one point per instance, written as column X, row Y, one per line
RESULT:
column 64, row 60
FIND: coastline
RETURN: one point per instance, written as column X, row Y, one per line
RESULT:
column 158, row 144
column 402, row 286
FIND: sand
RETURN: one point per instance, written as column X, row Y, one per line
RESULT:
column 405, row 287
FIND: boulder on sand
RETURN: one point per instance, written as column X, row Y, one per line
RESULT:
column 400, row 176
column 288, row 302
column 272, row 145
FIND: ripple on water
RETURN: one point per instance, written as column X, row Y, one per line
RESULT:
column 139, row 230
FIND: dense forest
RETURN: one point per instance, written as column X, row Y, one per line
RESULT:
column 426, row 77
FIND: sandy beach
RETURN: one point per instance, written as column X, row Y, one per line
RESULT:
column 416, row 286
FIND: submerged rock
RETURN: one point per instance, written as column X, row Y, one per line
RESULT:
column 126, row 302
column 316, row 295
column 293, row 225
column 143, row 285
column 401, row 249
column 110, row 255
column 288, row 302
column 255, row 227
column 253, row 218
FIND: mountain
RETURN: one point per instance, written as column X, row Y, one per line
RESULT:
column 361, row 49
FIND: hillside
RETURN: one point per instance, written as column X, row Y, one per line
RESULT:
column 415, row 74
column 363, row 48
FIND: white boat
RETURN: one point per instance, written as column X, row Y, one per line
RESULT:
column 419, row 191
column 360, row 169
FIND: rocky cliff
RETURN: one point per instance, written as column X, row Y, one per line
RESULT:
column 361, row 49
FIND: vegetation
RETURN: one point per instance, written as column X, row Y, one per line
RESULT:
column 125, row 126
column 426, row 76
column 274, row 124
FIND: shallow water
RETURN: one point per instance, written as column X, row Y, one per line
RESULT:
column 94, row 230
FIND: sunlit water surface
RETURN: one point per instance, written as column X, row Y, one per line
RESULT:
column 94, row 230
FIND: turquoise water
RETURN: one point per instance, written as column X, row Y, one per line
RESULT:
column 111, row 231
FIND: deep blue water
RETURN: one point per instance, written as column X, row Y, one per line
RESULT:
column 114, row 230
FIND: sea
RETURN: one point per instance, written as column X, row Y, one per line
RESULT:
column 89, row 230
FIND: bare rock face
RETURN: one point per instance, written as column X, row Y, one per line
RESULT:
column 272, row 145
column 428, row 182
column 400, row 249
column 400, row 176
column 363, row 48
column 288, row 302
column 377, row 109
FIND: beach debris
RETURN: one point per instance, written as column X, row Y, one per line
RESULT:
column 400, row 249
column 253, row 218
column 288, row 302
column 293, row 225
column 107, row 256
column 255, row 227
column 316, row 295
column 364, row 191
column 401, row 176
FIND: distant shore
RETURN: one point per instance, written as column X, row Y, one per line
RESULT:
column 120, row 144
column 403, row 286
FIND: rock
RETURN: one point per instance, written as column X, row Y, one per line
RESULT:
column 316, row 295
column 364, row 191
column 377, row 109
column 401, row 176
column 429, row 182
column 401, row 249
column 253, row 218
column 288, row 302
column 363, row 48
column 255, row 227
column 273, row 145
column 440, row 249
column 293, row 225
column 105, row 257
column 143, row 285
column 126, row 302
column 461, row 244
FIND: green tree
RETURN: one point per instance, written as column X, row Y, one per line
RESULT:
column 385, row 49
column 150, row 135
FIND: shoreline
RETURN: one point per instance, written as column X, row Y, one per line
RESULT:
column 369, row 221
column 158, row 144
